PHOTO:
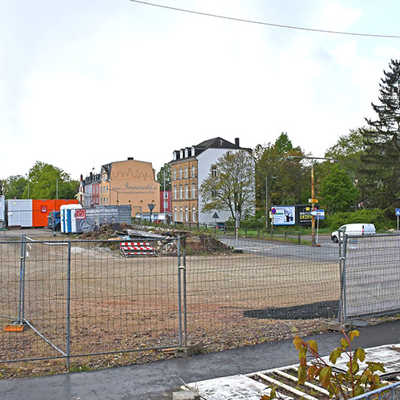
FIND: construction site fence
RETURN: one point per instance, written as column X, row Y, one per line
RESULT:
column 64, row 299
column 370, row 275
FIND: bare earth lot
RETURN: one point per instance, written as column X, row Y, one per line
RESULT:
column 122, row 304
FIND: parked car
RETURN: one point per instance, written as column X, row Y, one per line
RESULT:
column 354, row 230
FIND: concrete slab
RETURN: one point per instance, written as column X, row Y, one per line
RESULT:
column 237, row 387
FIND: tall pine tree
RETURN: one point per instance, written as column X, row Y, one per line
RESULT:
column 380, row 169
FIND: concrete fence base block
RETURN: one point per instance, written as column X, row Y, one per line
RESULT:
column 185, row 395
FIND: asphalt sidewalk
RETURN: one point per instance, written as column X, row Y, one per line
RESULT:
column 157, row 380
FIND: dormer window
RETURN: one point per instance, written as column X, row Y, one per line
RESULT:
column 193, row 153
column 181, row 153
column 175, row 155
column 186, row 153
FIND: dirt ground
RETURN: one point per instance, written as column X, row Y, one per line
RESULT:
column 121, row 304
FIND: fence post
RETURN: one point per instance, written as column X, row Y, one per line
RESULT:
column 184, row 295
column 68, row 310
column 299, row 238
column 342, row 268
column 180, row 334
column 21, row 303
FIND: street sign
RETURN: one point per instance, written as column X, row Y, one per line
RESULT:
column 312, row 200
column 319, row 214
column 397, row 212
column 215, row 215
column 273, row 210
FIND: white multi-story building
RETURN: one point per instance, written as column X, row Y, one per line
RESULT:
column 190, row 167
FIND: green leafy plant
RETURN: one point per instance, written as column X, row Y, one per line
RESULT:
column 340, row 384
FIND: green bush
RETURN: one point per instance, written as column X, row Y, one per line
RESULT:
column 373, row 216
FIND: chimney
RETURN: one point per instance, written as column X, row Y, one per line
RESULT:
column 237, row 142
column 130, row 158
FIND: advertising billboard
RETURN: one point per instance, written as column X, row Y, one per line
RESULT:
column 303, row 215
column 283, row 215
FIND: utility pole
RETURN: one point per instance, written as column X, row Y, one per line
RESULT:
column 312, row 205
column 313, row 201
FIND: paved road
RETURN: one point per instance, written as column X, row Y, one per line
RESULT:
column 328, row 251
column 157, row 380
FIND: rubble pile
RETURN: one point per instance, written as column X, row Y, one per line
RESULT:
column 164, row 241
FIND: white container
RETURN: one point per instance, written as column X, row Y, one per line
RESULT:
column 19, row 213
column 67, row 218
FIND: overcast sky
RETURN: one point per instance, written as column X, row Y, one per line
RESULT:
column 84, row 83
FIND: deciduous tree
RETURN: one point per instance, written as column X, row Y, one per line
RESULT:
column 44, row 181
column 230, row 185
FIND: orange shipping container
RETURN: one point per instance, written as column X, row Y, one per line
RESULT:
column 42, row 208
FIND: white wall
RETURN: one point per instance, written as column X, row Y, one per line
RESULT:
column 205, row 160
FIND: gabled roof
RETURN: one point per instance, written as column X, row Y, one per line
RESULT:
column 216, row 143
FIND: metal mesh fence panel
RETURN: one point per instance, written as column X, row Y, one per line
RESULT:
column 33, row 297
column 44, row 299
column 9, row 299
column 237, row 297
column 372, row 275
column 122, row 303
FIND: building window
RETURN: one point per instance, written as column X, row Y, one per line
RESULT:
column 175, row 193
column 174, row 174
column 186, row 192
column 186, row 153
column 186, row 173
column 213, row 171
column 181, row 192
column 193, row 171
column 180, row 173
column 193, row 191
column 175, row 214
column 194, row 215
column 192, row 151
column 181, row 215
column 186, row 214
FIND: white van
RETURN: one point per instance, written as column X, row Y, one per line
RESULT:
column 354, row 230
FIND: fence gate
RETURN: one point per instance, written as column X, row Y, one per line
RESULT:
column 370, row 275
column 80, row 298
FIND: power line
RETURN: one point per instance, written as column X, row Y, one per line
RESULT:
column 250, row 21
